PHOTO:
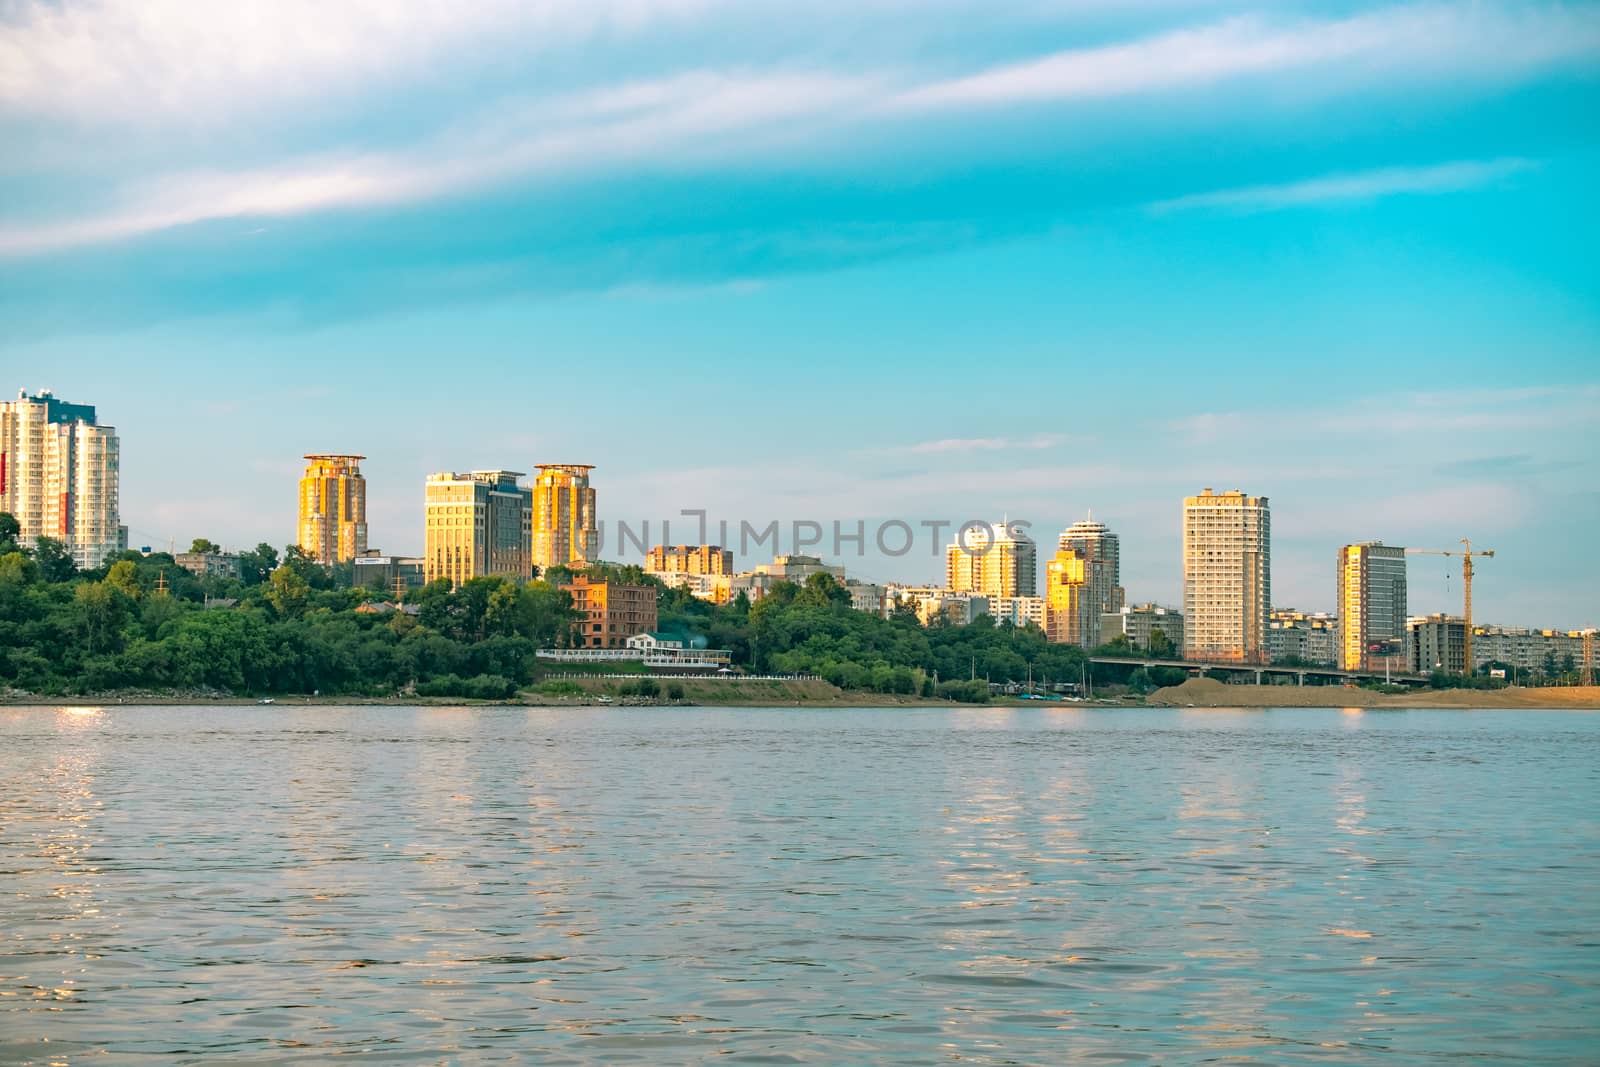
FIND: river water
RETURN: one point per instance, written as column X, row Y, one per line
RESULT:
column 1043, row 885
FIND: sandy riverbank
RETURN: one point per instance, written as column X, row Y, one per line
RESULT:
column 1209, row 693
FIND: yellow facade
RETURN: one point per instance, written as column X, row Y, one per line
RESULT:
column 333, row 509
column 1072, row 615
column 565, row 530
column 993, row 562
column 1371, row 605
column 477, row 524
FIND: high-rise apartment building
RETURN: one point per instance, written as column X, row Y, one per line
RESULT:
column 689, row 559
column 60, row 476
column 333, row 508
column 565, row 530
column 1371, row 584
column 1072, row 616
column 477, row 524
column 1100, row 550
column 1227, row 576
column 1000, row 561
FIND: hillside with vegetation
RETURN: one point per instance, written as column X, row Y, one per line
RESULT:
column 141, row 624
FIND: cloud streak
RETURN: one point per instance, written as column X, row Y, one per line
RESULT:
column 948, row 445
column 693, row 119
column 1402, row 41
column 1351, row 188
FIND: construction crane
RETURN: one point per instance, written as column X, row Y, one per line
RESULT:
column 1466, row 585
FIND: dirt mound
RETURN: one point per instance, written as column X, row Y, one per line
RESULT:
column 1197, row 691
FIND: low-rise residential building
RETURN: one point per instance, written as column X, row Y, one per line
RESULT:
column 1436, row 643
column 936, row 602
column 380, row 572
column 1303, row 637
column 1140, row 622
column 797, row 569
column 756, row 583
column 1543, row 653
column 1018, row 610
column 610, row 612
column 209, row 564
column 716, row 588
column 866, row 596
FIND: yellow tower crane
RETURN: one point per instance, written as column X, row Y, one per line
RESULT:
column 1466, row 585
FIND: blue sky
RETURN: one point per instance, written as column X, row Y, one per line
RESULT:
column 883, row 259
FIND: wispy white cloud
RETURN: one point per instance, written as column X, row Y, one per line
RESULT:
column 1344, row 188
column 102, row 50
column 157, row 60
column 1404, row 41
column 980, row 444
column 1401, row 416
column 688, row 114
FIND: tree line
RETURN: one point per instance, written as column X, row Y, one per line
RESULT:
column 286, row 625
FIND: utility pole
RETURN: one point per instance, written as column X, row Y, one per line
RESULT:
column 161, row 582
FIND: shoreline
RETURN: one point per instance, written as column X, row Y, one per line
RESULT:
column 1195, row 693
column 1209, row 693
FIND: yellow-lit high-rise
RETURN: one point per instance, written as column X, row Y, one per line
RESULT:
column 333, row 508
column 998, row 561
column 1071, row 612
column 477, row 524
column 1371, row 586
column 565, row 532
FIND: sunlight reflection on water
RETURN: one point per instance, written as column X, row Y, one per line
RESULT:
column 1034, row 885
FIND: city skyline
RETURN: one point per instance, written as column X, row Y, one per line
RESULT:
column 967, row 564
column 1340, row 259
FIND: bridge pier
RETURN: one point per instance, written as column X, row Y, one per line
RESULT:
column 1258, row 677
column 1300, row 678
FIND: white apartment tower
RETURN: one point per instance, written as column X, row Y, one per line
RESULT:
column 1227, row 577
column 59, row 475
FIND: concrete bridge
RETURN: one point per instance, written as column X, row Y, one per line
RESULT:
column 1260, row 671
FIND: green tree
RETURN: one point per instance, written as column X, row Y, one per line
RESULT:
column 288, row 593
column 201, row 544
column 123, row 575
column 17, row 569
column 10, row 530
column 55, row 562
column 1160, row 645
column 257, row 565
column 100, row 609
